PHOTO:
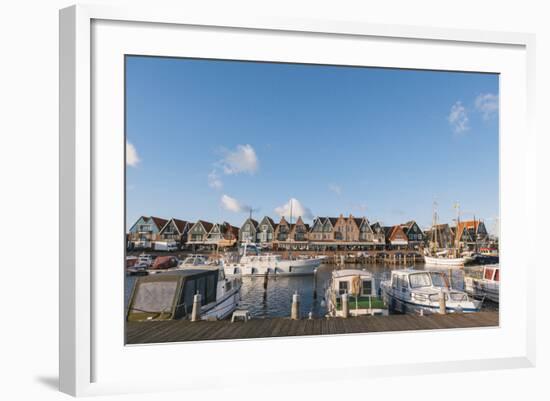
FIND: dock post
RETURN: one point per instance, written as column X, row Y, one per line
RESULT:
column 442, row 303
column 196, row 313
column 295, row 309
column 315, row 284
column 265, row 280
column 345, row 305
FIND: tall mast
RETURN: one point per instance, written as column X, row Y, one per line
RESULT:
column 457, row 236
column 475, row 234
column 434, row 224
column 290, row 211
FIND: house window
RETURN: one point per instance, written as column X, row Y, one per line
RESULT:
column 343, row 287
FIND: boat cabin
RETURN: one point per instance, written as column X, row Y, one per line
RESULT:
column 421, row 291
column 354, row 282
column 170, row 296
column 194, row 260
column 409, row 279
column 491, row 273
column 360, row 286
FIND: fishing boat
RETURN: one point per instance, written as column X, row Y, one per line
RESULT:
column 254, row 263
column 446, row 259
column 486, row 286
column 434, row 256
column 169, row 295
column 359, row 285
column 420, row 291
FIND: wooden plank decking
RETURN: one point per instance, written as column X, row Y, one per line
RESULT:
column 184, row 330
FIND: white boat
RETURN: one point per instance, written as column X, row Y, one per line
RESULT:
column 446, row 260
column 419, row 291
column 169, row 295
column 194, row 261
column 486, row 286
column 445, row 257
column 146, row 259
column 253, row 263
column 360, row 287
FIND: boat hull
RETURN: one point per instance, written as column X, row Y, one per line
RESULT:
column 435, row 261
column 397, row 302
column 284, row 267
column 223, row 307
column 482, row 288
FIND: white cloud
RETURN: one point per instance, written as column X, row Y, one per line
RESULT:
column 335, row 188
column 297, row 210
column 487, row 104
column 214, row 180
column 132, row 157
column 233, row 205
column 458, row 118
column 241, row 160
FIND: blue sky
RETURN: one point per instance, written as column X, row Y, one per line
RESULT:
column 211, row 139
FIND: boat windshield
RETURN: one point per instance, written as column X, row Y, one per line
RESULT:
column 438, row 280
column 193, row 260
column 420, row 280
column 458, row 297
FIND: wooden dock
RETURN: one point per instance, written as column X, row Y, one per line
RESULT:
column 184, row 330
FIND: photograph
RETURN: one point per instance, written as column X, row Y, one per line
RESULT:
column 272, row 199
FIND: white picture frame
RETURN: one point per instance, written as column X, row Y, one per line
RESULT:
column 89, row 362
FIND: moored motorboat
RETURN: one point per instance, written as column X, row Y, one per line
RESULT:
column 170, row 295
column 360, row 286
column 194, row 261
column 485, row 259
column 420, row 291
column 134, row 268
column 163, row 264
column 252, row 263
column 486, row 286
column 146, row 259
column 131, row 261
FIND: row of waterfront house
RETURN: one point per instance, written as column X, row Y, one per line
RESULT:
column 325, row 233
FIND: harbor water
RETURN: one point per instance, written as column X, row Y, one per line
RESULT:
column 273, row 297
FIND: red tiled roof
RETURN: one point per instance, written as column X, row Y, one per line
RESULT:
column 206, row 224
column 468, row 224
column 159, row 221
column 180, row 224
